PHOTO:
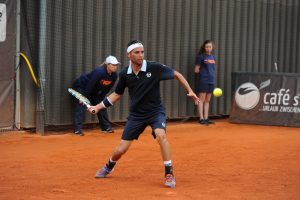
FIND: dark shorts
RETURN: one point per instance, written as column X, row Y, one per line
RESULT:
column 206, row 87
column 136, row 126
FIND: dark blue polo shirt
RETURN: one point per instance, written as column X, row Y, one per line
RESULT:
column 97, row 82
column 144, row 88
column 207, row 68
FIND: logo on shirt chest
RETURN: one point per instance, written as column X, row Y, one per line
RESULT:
column 209, row 61
column 105, row 82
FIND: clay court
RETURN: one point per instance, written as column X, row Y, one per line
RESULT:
column 222, row 161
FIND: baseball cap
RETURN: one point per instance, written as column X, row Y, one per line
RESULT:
column 112, row 60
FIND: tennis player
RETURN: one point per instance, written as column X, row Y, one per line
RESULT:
column 142, row 78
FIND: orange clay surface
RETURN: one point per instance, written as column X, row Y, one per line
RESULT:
column 221, row 161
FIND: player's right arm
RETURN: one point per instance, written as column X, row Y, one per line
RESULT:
column 111, row 99
column 186, row 85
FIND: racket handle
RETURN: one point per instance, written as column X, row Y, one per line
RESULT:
column 93, row 111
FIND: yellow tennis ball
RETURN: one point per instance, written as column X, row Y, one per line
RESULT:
column 217, row 92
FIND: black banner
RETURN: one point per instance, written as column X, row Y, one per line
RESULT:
column 7, row 61
column 265, row 98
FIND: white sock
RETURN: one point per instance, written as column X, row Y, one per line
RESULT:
column 110, row 160
column 168, row 163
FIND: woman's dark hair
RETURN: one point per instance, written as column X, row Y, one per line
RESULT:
column 202, row 48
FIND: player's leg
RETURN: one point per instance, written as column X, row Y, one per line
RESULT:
column 166, row 156
column 132, row 130
column 120, row 150
column 164, row 144
column 158, row 125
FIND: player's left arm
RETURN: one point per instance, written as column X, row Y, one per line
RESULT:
column 186, row 85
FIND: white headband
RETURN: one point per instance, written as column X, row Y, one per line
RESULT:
column 133, row 46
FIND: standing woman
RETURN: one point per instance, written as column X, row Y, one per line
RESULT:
column 205, row 67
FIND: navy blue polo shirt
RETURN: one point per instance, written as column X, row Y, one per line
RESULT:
column 207, row 68
column 97, row 82
column 144, row 88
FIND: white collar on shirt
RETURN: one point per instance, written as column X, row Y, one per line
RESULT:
column 144, row 67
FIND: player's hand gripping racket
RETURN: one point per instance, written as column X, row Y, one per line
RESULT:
column 81, row 98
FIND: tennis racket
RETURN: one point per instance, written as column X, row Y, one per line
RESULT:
column 81, row 98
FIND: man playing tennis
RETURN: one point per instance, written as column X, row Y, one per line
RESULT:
column 142, row 79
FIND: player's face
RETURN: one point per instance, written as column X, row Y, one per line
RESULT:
column 208, row 48
column 137, row 56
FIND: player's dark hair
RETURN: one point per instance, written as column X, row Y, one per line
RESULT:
column 133, row 42
column 202, row 48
